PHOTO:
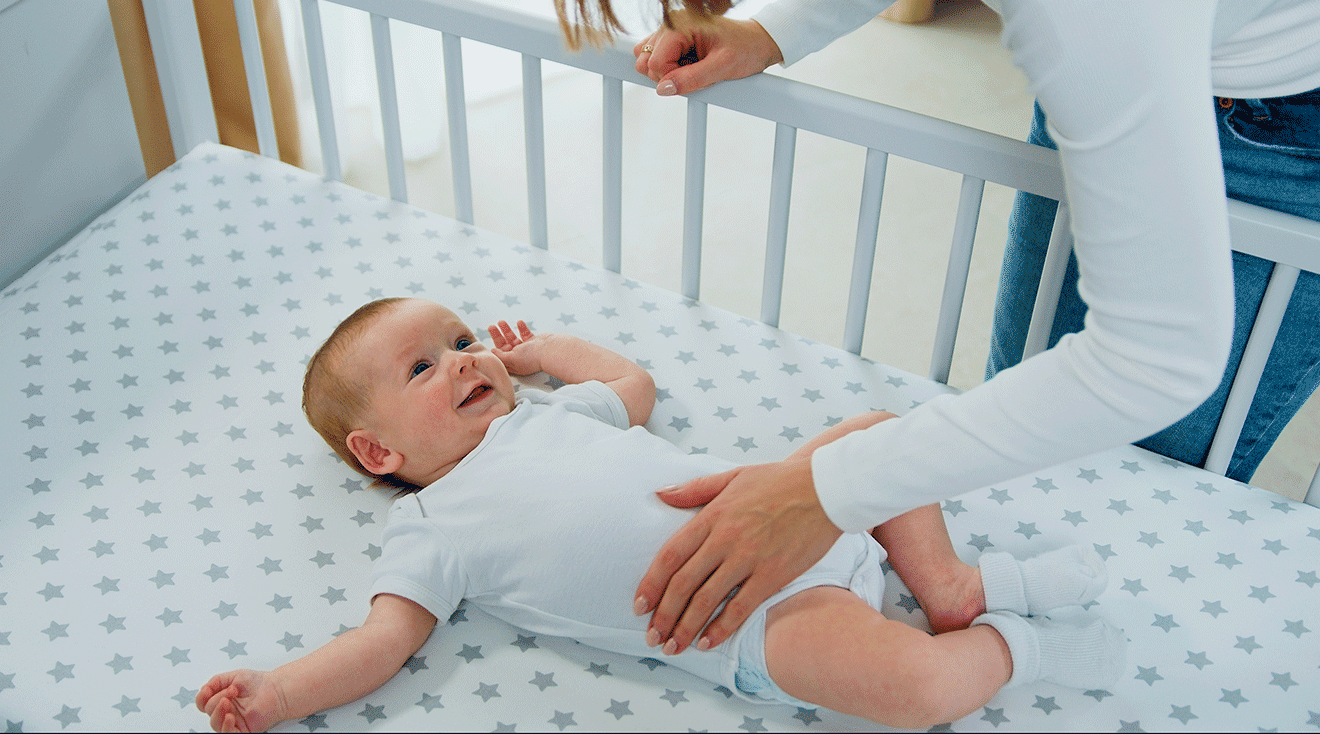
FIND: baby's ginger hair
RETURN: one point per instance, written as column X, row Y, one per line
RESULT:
column 334, row 403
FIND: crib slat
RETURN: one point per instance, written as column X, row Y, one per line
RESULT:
column 868, row 226
column 320, row 74
column 776, row 237
column 249, row 39
column 389, row 106
column 176, row 48
column 612, row 173
column 955, row 280
column 1051, row 285
column 534, row 135
column 456, row 106
column 694, row 197
column 1259, row 343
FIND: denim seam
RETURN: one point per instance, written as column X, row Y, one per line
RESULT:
column 1247, row 446
column 1289, row 149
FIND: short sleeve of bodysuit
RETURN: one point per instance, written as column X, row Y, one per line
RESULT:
column 418, row 562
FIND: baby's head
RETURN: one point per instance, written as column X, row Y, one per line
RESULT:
column 403, row 390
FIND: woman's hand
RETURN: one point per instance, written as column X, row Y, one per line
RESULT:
column 763, row 527
column 241, row 701
column 697, row 52
column 520, row 352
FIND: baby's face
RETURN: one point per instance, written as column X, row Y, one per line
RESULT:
column 435, row 387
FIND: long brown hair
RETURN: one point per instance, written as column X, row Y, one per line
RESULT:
column 594, row 23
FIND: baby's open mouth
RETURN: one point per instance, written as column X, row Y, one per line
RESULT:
column 477, row 393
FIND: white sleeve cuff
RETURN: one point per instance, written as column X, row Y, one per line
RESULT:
column 801, row 27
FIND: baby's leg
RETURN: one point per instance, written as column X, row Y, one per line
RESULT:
column 827, row 646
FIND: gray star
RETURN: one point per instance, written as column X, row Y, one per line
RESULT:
column 487, row 692
column 107, row 585
column 980, row 542
column 42, row 520
column 1198, row 659
column 619, row 709
column 674, row 697
column 652, row 663
column 724, row 413
column 1073, row 517
column 1228, row 560
column 46, row 554
column 314, row 722
column 1119, row 506
column 1089, row 475
column 260, row 531
column 162, row 579
column 1233, row 697
column 61, row 671
column 470, row 653
column 746, row 444
column 908, row 603
column 280, row 603
column 1196, row 527
column 270, row 566
column 1163, row 495
column 1260, row 592
column 1046, row 704
column 994, row 716
column 323, row 559
column 333, row 595
column 372, row 713
column 562, row 720
column 225, row 609
column 120, row 663
column 1027, row 529
column 1132, row 466
column 185, row 697
column 170, row 616
column 1248, row 643
column 113, row 623
column 806, row 716
column 1295, row 628
column 543, row 680
column 1181, row 573
column 1183, row 714
column 525, row 643
column 1239, row 515
column 598, row 670
column 52, row 592
column 954, row 507
column 1150, row 539
column 177, row 656
column 1104, row 551
column 791, row 433
column 1309, row 578
column 68, row 716
column 234, row 649
column 1098, row 695
column 1148, row 675
column 789, row 369
column 752, row 725
column 1044, row 485
column 1213, row 608
column 291, row 641
column 56, row 630
column 313, row 523
column 1000, row 496
column 209, row 536
column 1134, row 586
column 363, row 518
column 430, row 702
column 1164, row 622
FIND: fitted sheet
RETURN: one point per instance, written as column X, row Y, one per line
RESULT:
column 171, row 515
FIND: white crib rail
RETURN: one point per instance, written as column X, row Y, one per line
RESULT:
column 881, row 130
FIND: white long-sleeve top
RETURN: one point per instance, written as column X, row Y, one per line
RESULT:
column 1127, row 88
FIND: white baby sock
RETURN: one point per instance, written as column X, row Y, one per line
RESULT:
column 1063, row 577
column 1087, row 654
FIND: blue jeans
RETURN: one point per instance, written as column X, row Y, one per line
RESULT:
column 1271, row 154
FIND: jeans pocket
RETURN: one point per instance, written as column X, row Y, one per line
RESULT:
column 1289, row 125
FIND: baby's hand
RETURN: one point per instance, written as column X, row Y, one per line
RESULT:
column 520, row 352
column 241, row 700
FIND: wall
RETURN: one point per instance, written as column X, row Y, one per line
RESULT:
column 68, row 148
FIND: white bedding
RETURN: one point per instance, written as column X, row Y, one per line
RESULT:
column 171, row 515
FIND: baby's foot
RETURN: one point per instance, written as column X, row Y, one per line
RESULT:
column 1063, row 577
column 1088, row 654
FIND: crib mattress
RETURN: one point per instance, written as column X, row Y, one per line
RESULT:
column 170, row 515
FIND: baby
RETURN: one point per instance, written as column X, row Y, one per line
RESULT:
column 540, row 508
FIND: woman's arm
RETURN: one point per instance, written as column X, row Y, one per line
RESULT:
column 343, row 670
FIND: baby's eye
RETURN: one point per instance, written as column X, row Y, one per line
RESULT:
column 419, row 368
column 463, row 343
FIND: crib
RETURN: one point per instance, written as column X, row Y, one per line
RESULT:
column 173, row 516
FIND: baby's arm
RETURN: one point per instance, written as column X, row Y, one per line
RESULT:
column 575, row 360
column 345, row 669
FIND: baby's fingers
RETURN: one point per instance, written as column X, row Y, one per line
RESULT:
column 524, row 331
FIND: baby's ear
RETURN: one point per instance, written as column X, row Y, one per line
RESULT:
column 374, row 457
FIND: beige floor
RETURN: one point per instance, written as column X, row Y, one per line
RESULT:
column 952, row 68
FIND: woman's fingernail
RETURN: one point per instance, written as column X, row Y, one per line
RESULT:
column 667, row 88
column 640, row 606
column 671, row 647
column 652, row 638
column 703, row 644
column 670, row 488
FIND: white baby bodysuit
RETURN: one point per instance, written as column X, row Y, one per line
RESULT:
column 550, row 523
